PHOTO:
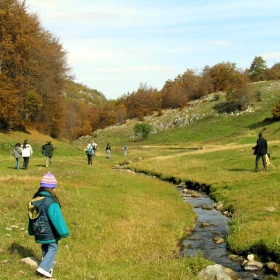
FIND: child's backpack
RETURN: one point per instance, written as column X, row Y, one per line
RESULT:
column 89, row 151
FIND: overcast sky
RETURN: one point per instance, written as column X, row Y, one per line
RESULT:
column 114, row 45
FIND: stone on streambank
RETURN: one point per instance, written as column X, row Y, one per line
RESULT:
column 218, row 272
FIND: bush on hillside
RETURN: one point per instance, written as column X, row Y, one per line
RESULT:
column 142, row 129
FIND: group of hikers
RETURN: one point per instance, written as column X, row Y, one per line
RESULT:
column 25, row 151
column 92, row 148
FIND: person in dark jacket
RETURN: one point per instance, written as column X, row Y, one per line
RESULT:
column 260, row 150
column 48, row 149
column 46, row 223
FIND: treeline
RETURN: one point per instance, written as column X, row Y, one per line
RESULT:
column 36, row 88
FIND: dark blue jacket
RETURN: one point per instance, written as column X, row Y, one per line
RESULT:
column 261, row 147
column 46, row 222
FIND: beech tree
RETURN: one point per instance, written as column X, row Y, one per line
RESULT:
column 32, row 71
column 274, row 72
column 239, row 95
column 223, row 76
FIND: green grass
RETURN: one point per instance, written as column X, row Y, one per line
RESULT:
column 122, row 225
column 125, row 225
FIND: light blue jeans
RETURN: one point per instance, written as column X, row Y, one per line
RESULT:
column 17, row 163
column 49, row 252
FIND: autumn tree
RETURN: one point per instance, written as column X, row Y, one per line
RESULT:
column 205, row 85
column 143, row 102
column 32, row 69
column 223, row 76
column 239, row 95
column 276, row 111
column 274, row 72
column 107, row 115
column 77, row 120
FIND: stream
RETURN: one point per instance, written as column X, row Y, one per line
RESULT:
column 201, row 240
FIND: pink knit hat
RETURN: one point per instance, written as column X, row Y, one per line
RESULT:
column 48, row 181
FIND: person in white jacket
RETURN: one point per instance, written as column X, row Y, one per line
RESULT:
column 26, row 152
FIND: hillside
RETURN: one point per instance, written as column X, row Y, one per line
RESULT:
column 127, row 226
column 79, row 92
column 201, row 122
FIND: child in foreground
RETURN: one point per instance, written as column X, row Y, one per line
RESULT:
column 46, row 223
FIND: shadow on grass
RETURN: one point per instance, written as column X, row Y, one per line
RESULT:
column 20, row 250
column 240, row 169
column 266, row 252
column 260, row 124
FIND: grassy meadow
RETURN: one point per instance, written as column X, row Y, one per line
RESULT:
column 127, row 225
column 122, row 225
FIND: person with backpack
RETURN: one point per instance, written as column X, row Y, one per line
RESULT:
column 46, row 223
column 89, row 153
column 17, row 154
column 47, row 150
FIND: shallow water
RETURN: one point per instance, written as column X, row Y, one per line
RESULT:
column 201, row 240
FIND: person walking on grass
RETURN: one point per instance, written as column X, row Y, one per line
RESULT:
column 46, row 223
column 17, row 154
column 94, row 148
column 89, row 153
column 260, row 150
column 26, row 152
column 125, row 150
column 48, row 148
column 108, row 150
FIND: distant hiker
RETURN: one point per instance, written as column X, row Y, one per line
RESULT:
column 89, row 153
column 94, row 148
column 48, row 152
column 108, row 150
column 17, row 154
column 46, row 223
column 260, row 150
column 125, row 150
column 26, row 151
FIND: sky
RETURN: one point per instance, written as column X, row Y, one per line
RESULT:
column 114, row 46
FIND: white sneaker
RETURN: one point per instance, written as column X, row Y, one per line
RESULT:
column 44, row 272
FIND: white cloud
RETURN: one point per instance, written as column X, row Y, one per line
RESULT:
column 272, row 55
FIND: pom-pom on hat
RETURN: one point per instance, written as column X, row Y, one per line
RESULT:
column 48, row 181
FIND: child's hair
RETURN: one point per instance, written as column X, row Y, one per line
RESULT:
column 17, row 145
column 50, row 191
